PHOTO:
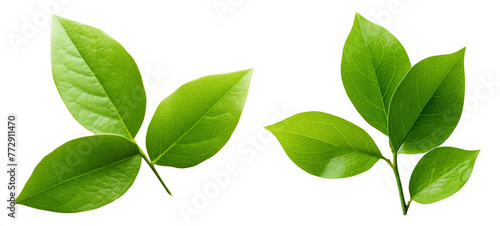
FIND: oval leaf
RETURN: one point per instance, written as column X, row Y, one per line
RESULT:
column 97, row 79
column 325, row 145
column 441, row 173
column 427, row 104
column 196, row 121
column 373, row 64
column 82, row 174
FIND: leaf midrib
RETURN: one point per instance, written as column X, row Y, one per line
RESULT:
column 81, row 175
column 98, row 81
column 374, row 72
column 326, row 142
column 194, row 125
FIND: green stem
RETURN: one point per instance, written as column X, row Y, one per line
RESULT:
column 404, row 206
column 154, row 170
column 388, row 161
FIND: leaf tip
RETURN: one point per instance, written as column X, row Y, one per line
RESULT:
column 56, row 17
column 269, row 128
column 358, row 17
column 462, row 50
column 57, row 20
column 19, row 200
column 248, row 71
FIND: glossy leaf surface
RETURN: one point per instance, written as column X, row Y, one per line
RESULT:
column 325, row 145
column 196, row 121
column 97, row 79
column 82, row 174
column 427, row 104
column 441, row 173
column 373, row 64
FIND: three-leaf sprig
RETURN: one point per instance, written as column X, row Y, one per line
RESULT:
column 102, row 88
column 416, row 107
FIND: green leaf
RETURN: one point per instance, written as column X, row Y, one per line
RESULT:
column 82, row 174
column 97, row 79
column 441, row 173
column 325, row 145
column 196, row 121
column 427, row 104
column 373, row 64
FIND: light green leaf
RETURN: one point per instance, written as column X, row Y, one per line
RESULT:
column 196, row 121
column 427, row 104
column 97, row 79
column 325, row 145
column 441, row 173
column 373, row 64
column 82, row 174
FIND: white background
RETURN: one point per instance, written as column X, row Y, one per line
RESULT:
column 295, row 48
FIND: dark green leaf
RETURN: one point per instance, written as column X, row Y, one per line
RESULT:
column 440, row 173
column 373, row 64
column 427, row 104
column 196, row 121
column 97, row 79
column 82, row 174
column 325, row 145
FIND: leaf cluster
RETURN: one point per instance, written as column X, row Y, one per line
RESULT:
column 102, row 88
column 417, row 107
